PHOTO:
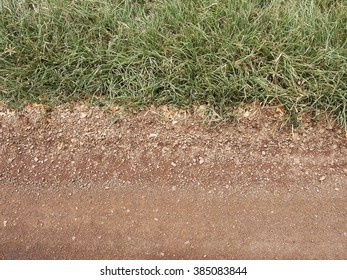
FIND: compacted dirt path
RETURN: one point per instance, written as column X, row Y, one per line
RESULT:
column 161, row 184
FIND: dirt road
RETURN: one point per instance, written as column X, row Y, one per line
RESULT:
column 161, row 184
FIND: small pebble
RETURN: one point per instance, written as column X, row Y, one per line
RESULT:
column 152, row 135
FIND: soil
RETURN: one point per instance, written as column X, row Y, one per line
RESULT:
column 83, row 183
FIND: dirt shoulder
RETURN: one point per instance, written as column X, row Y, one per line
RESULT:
column 84, row 184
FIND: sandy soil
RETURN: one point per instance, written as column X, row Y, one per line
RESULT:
column 161, row 184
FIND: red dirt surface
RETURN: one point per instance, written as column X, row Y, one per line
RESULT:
column 81, row 183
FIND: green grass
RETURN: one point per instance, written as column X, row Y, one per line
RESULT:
column 179, row 52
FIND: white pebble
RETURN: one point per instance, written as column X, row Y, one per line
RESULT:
column 201, row 160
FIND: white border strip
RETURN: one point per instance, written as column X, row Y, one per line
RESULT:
column 216, row 269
